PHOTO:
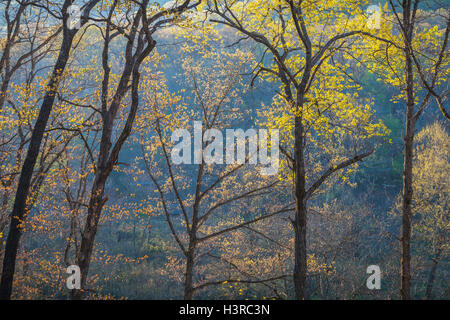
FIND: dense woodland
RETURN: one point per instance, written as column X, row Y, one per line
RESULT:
column 91, row 94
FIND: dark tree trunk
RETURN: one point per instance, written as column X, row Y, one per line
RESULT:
column 406, row 216
column 188, row 277
column 18, row 214
column 300, row 267
column 90, row 230
column 108, row 154
column 407, row 195
column 406, row 213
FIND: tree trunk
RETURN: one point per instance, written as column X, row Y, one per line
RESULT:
column 406, row 216
column 188, row 277
column 90, row 230
column 106, row 162
column 300, row 267
column 407, row 195
column 18, row 214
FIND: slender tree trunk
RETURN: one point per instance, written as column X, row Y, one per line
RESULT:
column 190, row 257
column 97, row 199
column 106, row 162
column 407, row 195
column 432, row 275
column 90, row 230
column 406, row 215
column 18, row 214
column 188, row 277
column 300, row 267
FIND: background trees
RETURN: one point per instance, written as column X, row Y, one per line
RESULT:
column 105, row 194
column 431, row 203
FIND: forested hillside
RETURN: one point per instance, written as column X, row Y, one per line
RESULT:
column 235, row 149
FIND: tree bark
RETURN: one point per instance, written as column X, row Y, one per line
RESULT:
column 406, row 213
column 90, row 230
column 300, row 266
column 407, row 194
column 188, row 277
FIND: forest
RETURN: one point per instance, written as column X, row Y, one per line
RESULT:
column 224, row 150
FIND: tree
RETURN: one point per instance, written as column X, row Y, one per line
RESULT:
column 139, row 44
column 318, row 114
column 19, row 210
column 19, row 113
column 204, row 202
column 29, row 47
column 410, row 53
